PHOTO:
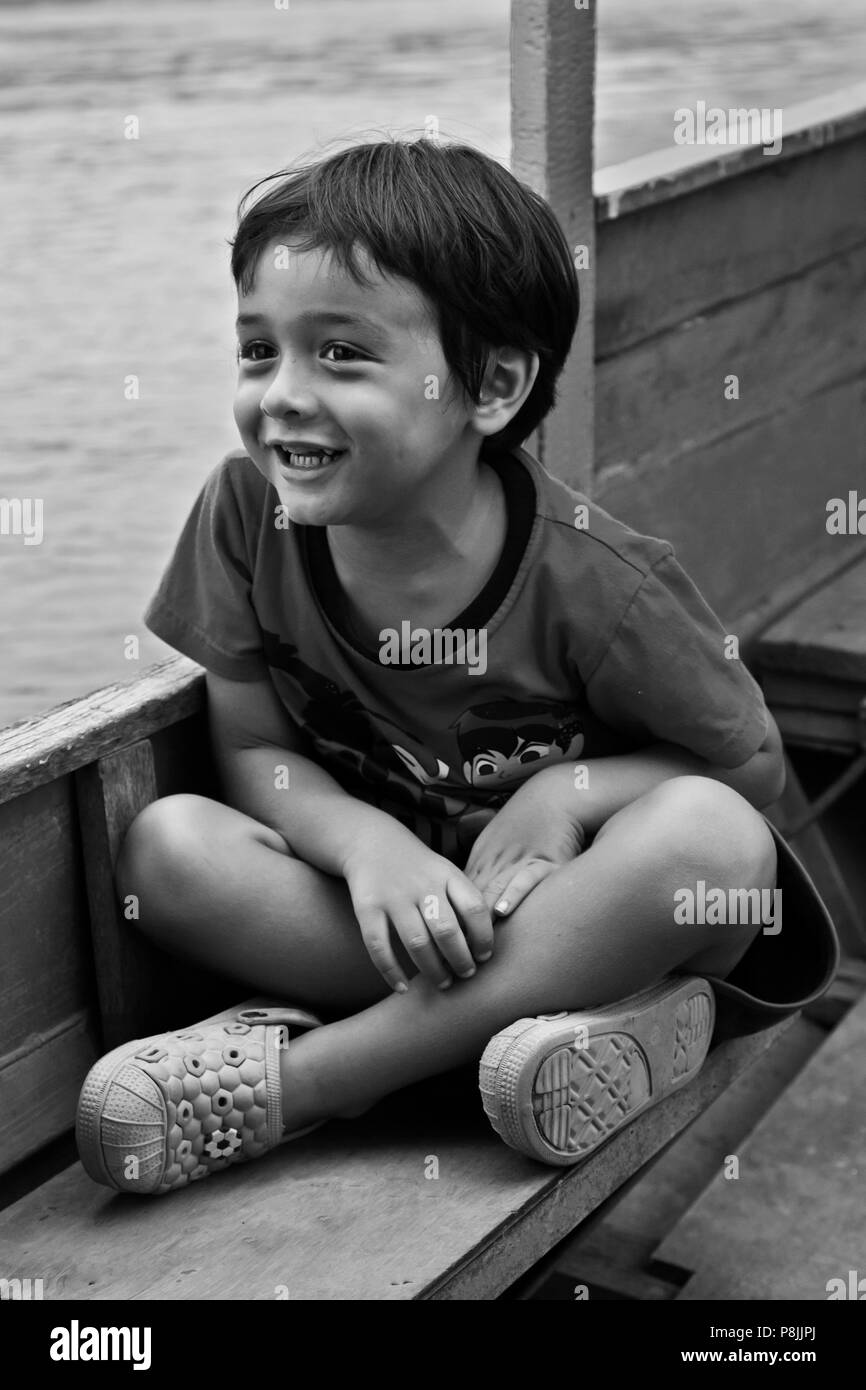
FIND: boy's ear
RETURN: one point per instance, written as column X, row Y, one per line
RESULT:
column 508, row 380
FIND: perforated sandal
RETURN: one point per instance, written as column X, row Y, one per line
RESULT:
column 557, row 1086
column 158, row 1113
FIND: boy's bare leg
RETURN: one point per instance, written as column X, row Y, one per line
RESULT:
column 596, row 930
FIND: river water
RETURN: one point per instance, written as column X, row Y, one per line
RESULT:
column 114, row 256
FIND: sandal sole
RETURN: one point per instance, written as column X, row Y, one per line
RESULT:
column 556, row 1087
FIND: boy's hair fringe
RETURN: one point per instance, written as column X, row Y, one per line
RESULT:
column 484, row 248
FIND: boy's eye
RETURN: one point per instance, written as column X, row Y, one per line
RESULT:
column 255, row 352
column 343, row 349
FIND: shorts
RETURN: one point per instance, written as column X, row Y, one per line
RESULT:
column 781, row 973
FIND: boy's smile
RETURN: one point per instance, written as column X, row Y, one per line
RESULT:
column 345, row 402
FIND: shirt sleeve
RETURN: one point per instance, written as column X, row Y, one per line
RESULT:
column 203, row 604
column 665, row 676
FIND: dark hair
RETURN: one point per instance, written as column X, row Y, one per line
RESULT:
column 484, row 248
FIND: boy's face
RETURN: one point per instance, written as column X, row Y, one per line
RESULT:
column 325, row 361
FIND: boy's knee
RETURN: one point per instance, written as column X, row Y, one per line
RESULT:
column 716, row 830
column 160, row 841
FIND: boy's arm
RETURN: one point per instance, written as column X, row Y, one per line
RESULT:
column 614, row 782
column 252, row 737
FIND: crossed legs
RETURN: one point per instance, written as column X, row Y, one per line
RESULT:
column 216, row 886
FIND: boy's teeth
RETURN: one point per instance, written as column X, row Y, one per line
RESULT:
column 310, row 460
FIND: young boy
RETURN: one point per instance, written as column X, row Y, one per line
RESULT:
column 435, row 825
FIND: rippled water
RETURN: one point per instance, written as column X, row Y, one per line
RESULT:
column 114, row 257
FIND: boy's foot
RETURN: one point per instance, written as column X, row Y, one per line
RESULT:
column 557, row 1086
column 158, row 1113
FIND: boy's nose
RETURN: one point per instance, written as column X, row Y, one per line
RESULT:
column 287, row 394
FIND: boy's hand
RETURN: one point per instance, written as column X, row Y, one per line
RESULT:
column 441, row 918
column 527, row 840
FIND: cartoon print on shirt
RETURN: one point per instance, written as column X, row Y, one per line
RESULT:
column 344, row 730
column 504, row 741
column 499, row 745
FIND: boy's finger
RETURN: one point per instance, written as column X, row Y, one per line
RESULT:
column 377, row 939
column 519, row 887
column 474, row 914
column 493, row 891
column 412, row 931
column 447, row 933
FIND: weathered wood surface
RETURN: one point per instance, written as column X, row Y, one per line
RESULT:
column 795, row 1216
column 76, row 733
column 46, row 1039
column 680, row 169
column 45, row 978
column 39, row 1085
column 347, row 1212
column 671, row 262
column 616, row 1252
column 111, row 792
column 746, row 513
column 785, row 343
column 807, row 727
column 825, row 636
column 552, row 102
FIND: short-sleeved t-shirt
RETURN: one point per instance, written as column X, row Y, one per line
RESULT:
column 587, row 640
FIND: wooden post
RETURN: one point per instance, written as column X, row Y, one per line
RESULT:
column 552, row 111
column 111, row 792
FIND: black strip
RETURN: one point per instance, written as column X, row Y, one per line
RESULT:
column 520, row 502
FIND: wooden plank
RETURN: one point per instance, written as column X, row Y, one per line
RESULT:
column 358, row 1189
column 815, row 570
column 614, row 1262
column 39, row 1086
column 824, row 636
column 552, row 104
column 786, row 342
column 36, row 751
column 694, row 270
column 677, row 170
column 111, row 793
column 794, row 1218
column 809, row 728
column 791, row 689
column 44, row 942
column 741, row 555
column 616, row 1249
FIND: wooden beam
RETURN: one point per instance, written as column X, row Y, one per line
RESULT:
column 784, row 343
column 678, row 169
column 749, row 559
column 693, row 271
column 111, row 792
column 794, row 1218
column 552, row 104
column 71, row 735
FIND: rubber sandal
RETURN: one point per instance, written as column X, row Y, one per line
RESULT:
column 158, row 1113
column 557, row 1086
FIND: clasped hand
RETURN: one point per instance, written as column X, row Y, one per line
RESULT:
column 444, row 917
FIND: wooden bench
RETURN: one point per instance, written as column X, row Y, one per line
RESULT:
column 420, row 1199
